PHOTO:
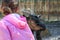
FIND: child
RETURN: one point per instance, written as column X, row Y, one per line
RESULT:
column 14, row 27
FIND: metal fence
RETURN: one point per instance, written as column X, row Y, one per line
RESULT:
column 49, row 9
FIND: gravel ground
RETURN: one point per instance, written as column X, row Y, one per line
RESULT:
column 54, row 30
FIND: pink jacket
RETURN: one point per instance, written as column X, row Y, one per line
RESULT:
column 15, row 27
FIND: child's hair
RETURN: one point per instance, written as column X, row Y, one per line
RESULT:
column 14, row 7
column 6, row 10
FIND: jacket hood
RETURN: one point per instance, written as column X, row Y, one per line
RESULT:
column 16, row 20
